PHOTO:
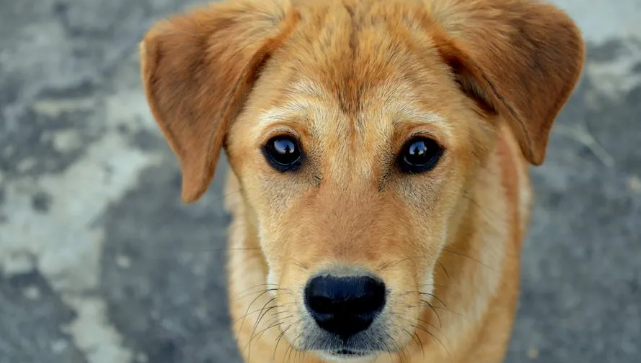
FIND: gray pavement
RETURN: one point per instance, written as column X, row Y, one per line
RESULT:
column 100, row 262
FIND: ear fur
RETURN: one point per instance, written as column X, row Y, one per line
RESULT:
column 197, row 70
column 518, row 58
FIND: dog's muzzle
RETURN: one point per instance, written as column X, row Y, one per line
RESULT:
column 343, row 310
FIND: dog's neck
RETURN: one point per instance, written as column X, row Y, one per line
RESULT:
column 475, row 266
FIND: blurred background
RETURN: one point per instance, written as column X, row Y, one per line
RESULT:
column 100, row 262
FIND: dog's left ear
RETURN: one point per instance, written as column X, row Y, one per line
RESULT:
column 518, row 58
column 197, row 70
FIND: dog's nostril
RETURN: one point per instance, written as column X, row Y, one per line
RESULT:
column 344, row 305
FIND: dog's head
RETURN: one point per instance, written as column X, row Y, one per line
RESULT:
column 355, row 128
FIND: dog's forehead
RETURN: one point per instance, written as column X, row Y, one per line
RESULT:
column 313, row 106
column 355, row 62
column 354, row 49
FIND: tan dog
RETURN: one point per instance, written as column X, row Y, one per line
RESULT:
column 379, row 149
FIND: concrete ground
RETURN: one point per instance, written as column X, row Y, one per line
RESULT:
column 100, row 262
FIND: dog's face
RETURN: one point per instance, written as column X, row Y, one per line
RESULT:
column 355, row 192
column 356, row 130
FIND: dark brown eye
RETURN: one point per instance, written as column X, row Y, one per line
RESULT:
column 419, row 154
column 283, row 153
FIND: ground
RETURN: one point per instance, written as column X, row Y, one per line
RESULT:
column 101, row 263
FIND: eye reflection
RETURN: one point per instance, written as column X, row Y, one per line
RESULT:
column 283, row 153
column 420, row 154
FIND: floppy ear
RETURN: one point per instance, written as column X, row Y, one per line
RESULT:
column 518, row 58
column 197, row 70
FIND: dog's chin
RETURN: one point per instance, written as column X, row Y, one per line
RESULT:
column 345, row 355
column 355, row 351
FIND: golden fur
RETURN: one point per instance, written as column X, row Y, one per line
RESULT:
column 353, row 79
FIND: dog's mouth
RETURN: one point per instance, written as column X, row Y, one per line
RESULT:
column 346, row 355
column 354, row 349
column 348, row 352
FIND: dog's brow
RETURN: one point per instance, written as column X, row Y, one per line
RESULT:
column 272, row 115
column 293, row 111
column 409, row 113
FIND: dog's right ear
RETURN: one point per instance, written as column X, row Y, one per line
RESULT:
column 197, row 70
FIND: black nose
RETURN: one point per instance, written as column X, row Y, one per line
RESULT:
column 344, row 305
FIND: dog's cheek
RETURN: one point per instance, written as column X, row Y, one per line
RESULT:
column 272, row 253
column 427, row 285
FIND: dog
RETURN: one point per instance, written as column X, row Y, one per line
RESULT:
column 379, row 154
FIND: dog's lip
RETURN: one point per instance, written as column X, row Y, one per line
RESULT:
column 348, row 352
column 346, row 355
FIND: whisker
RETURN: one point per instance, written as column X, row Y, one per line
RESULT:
column 226, row 249
column 416, row 339
column 436, row 285
column 442, row 308
column 279, row 322
column 260, row 333
column 471, row 258
column 263, row 313
column 246, row 291
column 218, row 198
column 440, row 322
column 257, row 323
column 435, row 328
column 279, row 290
column 424, row 322
column 259, row 310
column 248, row 307
column 444, row 270
column 241, row 248
column 486, row 213
column 291, row 347
column 300, row 264
column 421, row 328
column 386, row 344
column 424, row 329
column 420, row 342
column 403, row 353
column 280, row 336
column 451, row 311
column 393, row 263
column 433, row 296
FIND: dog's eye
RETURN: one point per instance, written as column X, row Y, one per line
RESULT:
column 420, row 154
column 283, row 153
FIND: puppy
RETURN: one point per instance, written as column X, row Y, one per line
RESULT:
column 379, row 152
